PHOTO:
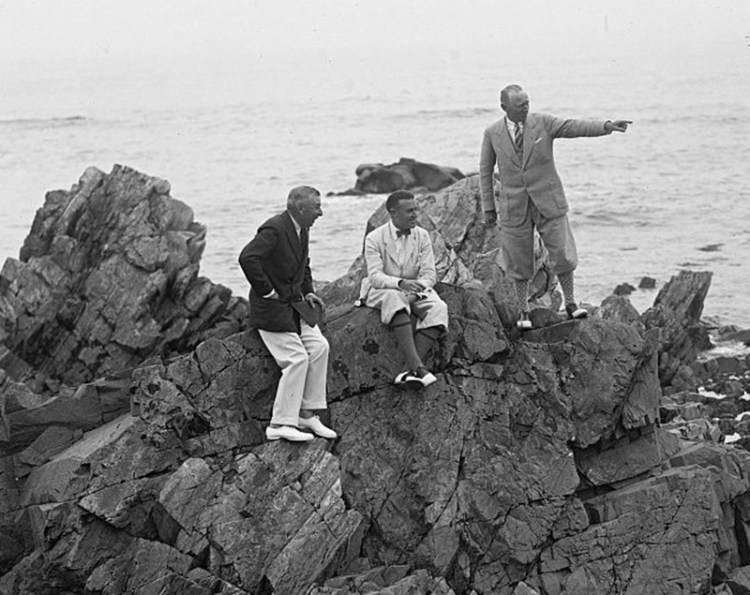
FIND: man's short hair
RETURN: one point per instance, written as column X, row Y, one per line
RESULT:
column 396, row 197
column 298, row 195
column 507, row 91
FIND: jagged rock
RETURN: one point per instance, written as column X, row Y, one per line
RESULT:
column 620, row 309
column 533, row 465
column 387, row 580
column 450, row 467
column 676, row 312
column 107, row 276
column 283, row 504
column 407, row 174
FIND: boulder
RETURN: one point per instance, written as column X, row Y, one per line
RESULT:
column 407, row 174
column 108, row 276
column 676, row 312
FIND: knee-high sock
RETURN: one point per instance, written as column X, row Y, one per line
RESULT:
column 522, row 294
column 401, row 325
column 567, row 286
column 425, row 338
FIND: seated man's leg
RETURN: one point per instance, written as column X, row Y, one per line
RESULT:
column 291, row 356
column 433, row 321
column 401, row 326
column 425, row 338
column 395, row 311
column 314, row 394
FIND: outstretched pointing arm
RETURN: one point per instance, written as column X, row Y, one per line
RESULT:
column 617, row 125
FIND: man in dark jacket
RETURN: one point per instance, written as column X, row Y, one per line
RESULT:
column 285, row 311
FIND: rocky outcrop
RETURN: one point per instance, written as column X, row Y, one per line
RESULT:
column 539, row 463
column 107, row 277
column 407, row 174
column 676, row 312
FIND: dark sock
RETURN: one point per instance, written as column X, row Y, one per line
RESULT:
column 401, row 325
column 424, row 340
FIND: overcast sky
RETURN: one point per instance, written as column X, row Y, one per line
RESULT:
column 38, row 36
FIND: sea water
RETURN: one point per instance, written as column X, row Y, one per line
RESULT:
column 671, row 194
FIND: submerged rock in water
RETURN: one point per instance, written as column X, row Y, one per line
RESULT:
column 407, row 174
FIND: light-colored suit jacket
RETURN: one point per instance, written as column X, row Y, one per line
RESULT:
column 533, row 175
column 384, row 267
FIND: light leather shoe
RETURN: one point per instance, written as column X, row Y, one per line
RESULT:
column 313, row 423
column 288, row 433
column 574, row 312
column 401, row 378
column 420, row 379
column 523, row 322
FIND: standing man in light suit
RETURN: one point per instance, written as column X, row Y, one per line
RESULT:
column 531, row 193
column 400, row 278
column 284, row 309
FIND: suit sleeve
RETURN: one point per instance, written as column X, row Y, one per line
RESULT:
column 374, row 260
column 251, row 259
column 427, row 271
column 561, row 128
column 487, row 161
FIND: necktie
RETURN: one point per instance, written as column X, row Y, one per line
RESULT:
column 303, row 237
column 518, row 137
column 402, row 232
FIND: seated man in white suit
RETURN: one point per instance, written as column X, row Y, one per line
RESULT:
column 400, row 279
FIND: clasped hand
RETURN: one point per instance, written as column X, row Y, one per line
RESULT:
column 411, row 286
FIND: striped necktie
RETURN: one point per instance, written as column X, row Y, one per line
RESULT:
column 518, row 137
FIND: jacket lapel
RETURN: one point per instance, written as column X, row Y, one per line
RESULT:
column 389, row 244
column 294, row 240
column 530, row 132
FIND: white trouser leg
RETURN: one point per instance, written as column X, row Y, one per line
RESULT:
column 303, row 360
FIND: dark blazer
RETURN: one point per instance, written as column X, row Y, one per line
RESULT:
column 531, row 176
column 276, row 259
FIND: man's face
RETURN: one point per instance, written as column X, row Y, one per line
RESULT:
column 517, row 107
column 404, row 215
column 309, row 211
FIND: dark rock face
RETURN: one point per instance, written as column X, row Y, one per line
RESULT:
column 544, row 463
column 108, row 276
column 676, row 311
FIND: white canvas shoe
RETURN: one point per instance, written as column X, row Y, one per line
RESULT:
column 313, row 423
column 288, row 433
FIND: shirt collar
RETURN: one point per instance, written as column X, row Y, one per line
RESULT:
column 511, row 125
column 393, row 229
column 297, row 226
